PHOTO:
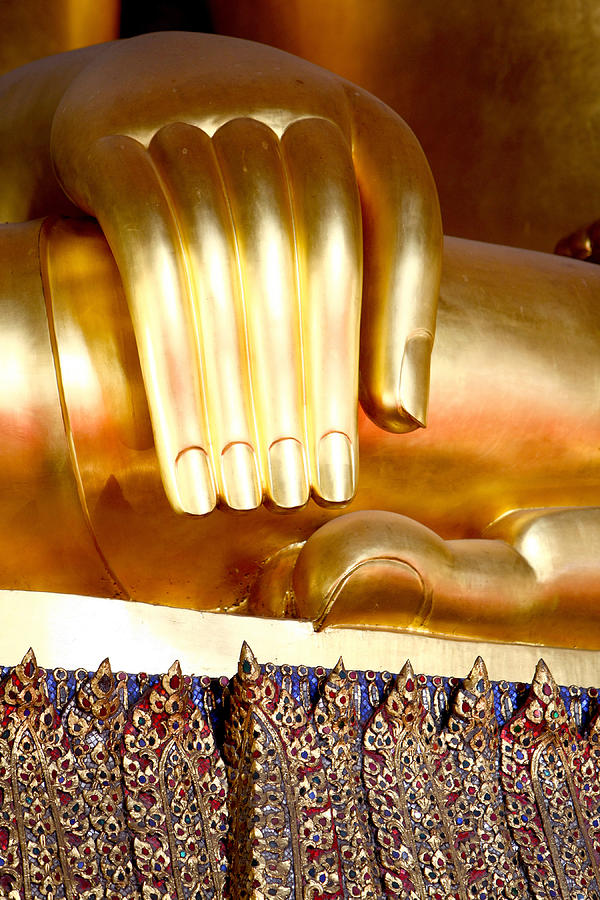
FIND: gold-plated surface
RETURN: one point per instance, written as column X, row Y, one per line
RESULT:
column 257, row 208
column 534, row 580
column 226, row 177
column 502, row 97
column 512, row 426
column 511, row 135
column 45, row 534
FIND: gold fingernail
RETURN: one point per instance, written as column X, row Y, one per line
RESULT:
column 287, row 473
column 414, row 376
column 240, row 477
column 195, row 484
column 335, row 464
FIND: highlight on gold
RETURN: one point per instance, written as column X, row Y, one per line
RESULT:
column 98, row 492
column 226, row 180
column 267, row 250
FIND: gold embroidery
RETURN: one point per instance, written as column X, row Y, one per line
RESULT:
column 95, row 720
column 466, row 767
column 586, row 775
column 541, row 756
column 105, row 802
column 41, row 795
column 176, row 794
column 337, row 725
column 414, row 839
column 283, row 827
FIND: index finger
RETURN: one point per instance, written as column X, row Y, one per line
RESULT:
column 145, row 240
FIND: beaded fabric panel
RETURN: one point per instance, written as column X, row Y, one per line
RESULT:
column 49, row 850
column 175, row 792
column 282, row 819
column 296, row 783
column 339, row 736
column 550, row 780
column 95, row 718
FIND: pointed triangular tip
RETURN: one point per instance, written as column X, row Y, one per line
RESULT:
column 29, row 657
column 407, row 670
column 248, row 667
column 477, row 681
column 28, row 667
column 102, row 679
column 339, row 667
column 544, row 686
column 406, row 682
column 246, row 653
column 542, row 669
column 543, row 675
column 104, row 668
column 27, row 670
column 175, row 669
column 172, row 681
column 480, row 665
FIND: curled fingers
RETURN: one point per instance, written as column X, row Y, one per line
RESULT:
column 185, row 156
column 146, row 243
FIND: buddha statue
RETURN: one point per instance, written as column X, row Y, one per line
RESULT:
column 181, row 379
column 213, row 251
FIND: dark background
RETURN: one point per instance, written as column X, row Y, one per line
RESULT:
column 141, row 16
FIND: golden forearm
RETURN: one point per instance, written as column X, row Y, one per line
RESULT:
column 45, row 543
column 512, row 423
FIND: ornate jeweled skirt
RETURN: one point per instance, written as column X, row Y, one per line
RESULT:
column 296, row 783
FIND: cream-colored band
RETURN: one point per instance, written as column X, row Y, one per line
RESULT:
column 72, row 631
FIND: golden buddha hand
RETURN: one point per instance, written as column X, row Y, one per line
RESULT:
column 237, row 187
column 532, row 579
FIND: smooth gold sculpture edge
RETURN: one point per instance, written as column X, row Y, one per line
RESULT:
column 380, row 569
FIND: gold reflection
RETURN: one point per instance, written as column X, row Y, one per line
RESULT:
column 345, row 187
column 490, row 446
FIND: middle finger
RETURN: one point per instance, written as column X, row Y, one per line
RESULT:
column 256, row 183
